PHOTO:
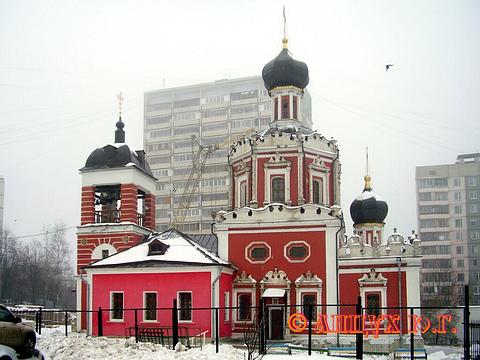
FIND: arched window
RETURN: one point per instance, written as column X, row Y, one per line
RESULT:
column 317, row 192
column 278, row 189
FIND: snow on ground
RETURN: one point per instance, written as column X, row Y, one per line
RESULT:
column 55, row 346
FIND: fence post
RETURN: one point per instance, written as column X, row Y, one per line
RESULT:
column 66, row 323
column 217, row 330
column 174, row 323
column 36, row 321
column 40, row 321
column 99, row 322
column 310, row 320
column 136, row 326
column 466, row 325
column 359, row 335
column 261, row 340
column 412, row 336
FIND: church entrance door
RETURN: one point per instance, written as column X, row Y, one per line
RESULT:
column 276, row 324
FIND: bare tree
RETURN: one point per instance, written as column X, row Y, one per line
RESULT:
column 251, row 337
column 37, row 271
column 8, row 256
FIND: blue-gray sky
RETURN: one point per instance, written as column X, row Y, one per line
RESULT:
column 63, row 62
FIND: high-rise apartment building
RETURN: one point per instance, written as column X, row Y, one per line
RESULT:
column 2, row 194
column 216, row 113
column 449, row 222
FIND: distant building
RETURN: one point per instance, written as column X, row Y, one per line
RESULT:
column 449, row 222
column 2, row 200
column 216, row 113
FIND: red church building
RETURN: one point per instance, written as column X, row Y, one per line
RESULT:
column 282, row 241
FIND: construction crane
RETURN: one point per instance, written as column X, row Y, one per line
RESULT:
column 199, row 158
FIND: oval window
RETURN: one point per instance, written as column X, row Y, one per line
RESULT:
column 297, row 252
column 259, row 253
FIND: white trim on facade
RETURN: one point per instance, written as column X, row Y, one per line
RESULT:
column 116, row 176
column 145, row 305
column 299, row 242
column 252, row 244
column 110, row 313
column 179, row 308
column 97, row 251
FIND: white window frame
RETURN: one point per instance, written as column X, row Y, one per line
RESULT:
column 97, row 252
column 111, row 319
column 270, row 173
column 309, row 290
column 252, row 244
column 278, row 179
column 179, row 308
column 324, row 177
column 320, row 190
column 375, row 289
column 226, row 304
column 294, row 242
column 239, row 180
column 145, row 306
column 235, row 293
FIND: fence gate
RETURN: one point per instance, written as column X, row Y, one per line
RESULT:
column 474, row 340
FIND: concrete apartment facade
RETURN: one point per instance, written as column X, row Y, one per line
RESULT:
column 449, row 222
column 217, row 113
column 2, row 197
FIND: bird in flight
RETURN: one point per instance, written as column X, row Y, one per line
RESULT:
column 388, row 66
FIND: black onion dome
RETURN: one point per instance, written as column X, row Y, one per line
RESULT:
column 114, row 156
column 285, row 71
column 118, row 155
column 368, row 207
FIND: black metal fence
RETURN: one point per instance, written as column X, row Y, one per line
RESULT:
column 350, row 329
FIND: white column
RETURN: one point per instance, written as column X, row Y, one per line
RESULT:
column 301, row 196
column 79, row 303
column 330, row 283
column 279, row 107
column 254, row 181
column 290, row 103
column 299, row 116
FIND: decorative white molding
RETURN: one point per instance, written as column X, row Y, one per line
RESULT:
column 308, row 283
column 373, row 278
column 293, row 243
column 308, row 279
column 243, row 279
column 376, row 283
column 252, row 245
column 97, row 252
column 238, row 182
column 275, row 277
column 277, row 165
column 317, row 168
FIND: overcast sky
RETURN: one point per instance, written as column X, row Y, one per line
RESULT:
column 62, row 64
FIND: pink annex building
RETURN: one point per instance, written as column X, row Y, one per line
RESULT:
column 282, row 241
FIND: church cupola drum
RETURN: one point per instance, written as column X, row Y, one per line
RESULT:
column 285, row 79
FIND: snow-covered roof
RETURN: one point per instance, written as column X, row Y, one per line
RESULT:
column 367, row 194
column 180, row 250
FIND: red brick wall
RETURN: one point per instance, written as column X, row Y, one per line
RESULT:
column 87, row 242
column 149, row 221
column 88, row 205
column 128, row 207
